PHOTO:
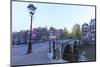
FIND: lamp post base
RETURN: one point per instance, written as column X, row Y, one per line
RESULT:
column 29, row 48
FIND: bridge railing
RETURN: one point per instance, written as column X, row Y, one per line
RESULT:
column 70, row 49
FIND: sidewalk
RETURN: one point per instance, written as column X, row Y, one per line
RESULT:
column 39, row 56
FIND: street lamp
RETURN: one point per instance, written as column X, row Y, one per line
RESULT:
column 31, row 9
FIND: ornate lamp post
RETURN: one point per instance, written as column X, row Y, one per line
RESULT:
column 31, row 9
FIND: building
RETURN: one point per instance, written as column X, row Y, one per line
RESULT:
column 89, row 31
column 55, row 32
column 40, row 33
column 92, row 29
column 20, row 37
column 85, row 29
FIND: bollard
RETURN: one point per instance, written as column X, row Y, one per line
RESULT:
column 49, row 46
column 54, row 56
column 75, row 51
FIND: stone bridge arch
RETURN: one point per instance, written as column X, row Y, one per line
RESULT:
column 69, row 51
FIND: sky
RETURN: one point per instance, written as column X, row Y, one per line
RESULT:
column 47, row 15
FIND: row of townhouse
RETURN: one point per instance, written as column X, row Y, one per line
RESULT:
column 89, row 31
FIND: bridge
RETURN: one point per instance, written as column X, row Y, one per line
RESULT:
column 66, row 49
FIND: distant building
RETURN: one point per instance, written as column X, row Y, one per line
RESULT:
column 92, row 29
column 89, row 31
column 40, row 33
column 20, row 37
column 55, row 32
column 85, row 29
column 52, row 31
column 44, row 33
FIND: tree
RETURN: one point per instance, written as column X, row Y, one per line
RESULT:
column 66, row 32
column 76, row 32
column 71, row 35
